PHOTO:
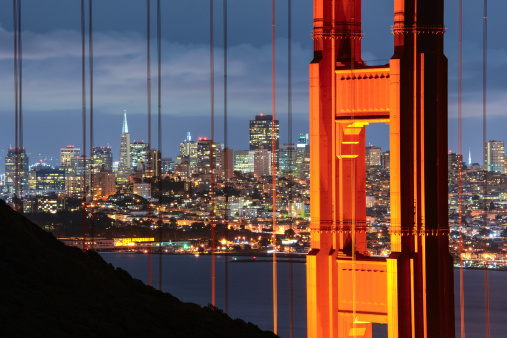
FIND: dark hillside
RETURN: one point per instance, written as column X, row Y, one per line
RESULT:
column 48, row 289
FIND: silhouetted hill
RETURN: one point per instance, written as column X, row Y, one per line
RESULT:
column 48, row 289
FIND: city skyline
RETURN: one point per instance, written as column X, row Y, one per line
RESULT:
column 51, row 72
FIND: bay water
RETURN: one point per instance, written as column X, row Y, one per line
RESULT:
column 250, row 290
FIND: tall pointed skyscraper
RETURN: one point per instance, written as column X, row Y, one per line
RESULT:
column 124, row 167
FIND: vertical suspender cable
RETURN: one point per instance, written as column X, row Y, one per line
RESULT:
column 291, row 177
column 20, row 65
column 226, row 150
column 17, row 152
column 460, row 169
column 273, row 167
column 20, row 120
column 158, row 158
column 83, row 99
column 20, row 112
column 484, row 140
column 91, row 163
column 212, row 156
column 148, row 83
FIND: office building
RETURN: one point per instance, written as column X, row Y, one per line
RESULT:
column 373, row 156
column 385, row 160
column 262, row 162
column 102, row 159
column 104, row 184
column 261, row 132
column 242, row 161
column 16, row 168
column 125, row 164
column 67, row 153
column 188, row 151
column 138, row 155
column 287, row 160
column 494, row 156
column 44, row 179
column 454, row 161
column 303, row 157
column 228, row 162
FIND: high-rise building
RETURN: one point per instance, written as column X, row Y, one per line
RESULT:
column 44, row 179
column 125, row 164
column 228, row 162
column 75, row 173
column 104, row 184
column 287, row 161
column 241, row 161
column 155, row 165
column 16, row 158
column 385, row 160
column 261, row 132
column 494, row 156
column 67, row 153
column 203, row 151
column 142, row 189
column 454, row 161
column 303, row 157
column 188, row 151
column 373, row 155
column 167, row 165
column 138, row 155
column 102, row 159
column 262, row 162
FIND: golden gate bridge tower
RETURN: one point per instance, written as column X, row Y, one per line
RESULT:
column 411, row 290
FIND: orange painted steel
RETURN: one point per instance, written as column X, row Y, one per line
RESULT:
column 412, row 289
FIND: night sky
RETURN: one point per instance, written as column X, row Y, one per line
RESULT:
column 52, row 70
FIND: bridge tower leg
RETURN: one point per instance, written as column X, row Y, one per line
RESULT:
column 412, row 289
column 420, row 262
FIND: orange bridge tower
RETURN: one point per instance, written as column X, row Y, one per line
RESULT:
column 412, row 289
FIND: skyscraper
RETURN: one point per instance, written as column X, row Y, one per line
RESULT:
column 16, row 157
column 125, row 165
column 102, row 158
column 67, row 153
column 288, row 155
column 138, row 155
column 373, row 156
column 494, row 156
column 303, row 157
column 261, row 132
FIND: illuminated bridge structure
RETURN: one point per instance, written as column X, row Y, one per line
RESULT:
column 412, row 289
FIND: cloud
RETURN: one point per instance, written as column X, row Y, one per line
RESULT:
column 52, row 73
